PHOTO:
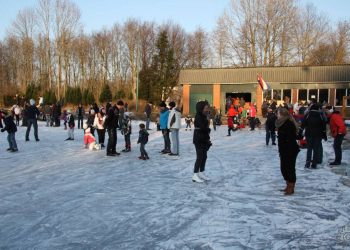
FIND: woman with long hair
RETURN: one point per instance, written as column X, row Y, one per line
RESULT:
column 288, row 148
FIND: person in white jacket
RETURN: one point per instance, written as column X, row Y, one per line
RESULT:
column 174, row 124
column 99, row 125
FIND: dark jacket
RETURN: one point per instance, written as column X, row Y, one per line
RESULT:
column 148, row 110
column 111, row 120
column 143, row 136
column 287, row 144
column 314, row 124
column 71, row 122
column 270, row 121
column 32, row 112
column 10, row 125
column 202, row 130
column 80, row 112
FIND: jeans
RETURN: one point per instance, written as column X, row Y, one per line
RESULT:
column 80, row 122
column 12, row 140
column 313, row 148
column 17, row 120
column 166, row 138
column 71, row 133
column 175, row 140
column 338, row 140
column 48, row 120
column 33, row 122
column 272, row 135
column 143, row 150
column 127, row 141
column 147, row 122
column 201, row 152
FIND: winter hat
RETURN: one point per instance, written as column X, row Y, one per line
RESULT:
column 32, row 102
column 172, row 104
column 120, row 103
column 162, row 104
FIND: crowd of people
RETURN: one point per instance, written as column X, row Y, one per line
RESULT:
column 293, row 124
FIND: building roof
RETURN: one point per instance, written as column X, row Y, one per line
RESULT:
column 304, row 74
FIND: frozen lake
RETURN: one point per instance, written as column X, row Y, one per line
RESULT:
column 54, row 194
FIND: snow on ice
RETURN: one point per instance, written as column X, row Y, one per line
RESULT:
column 54, row 194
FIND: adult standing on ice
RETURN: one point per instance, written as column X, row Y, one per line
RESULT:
column 287, row 147
column 32, row 116
column 111, row 126
column 338, row 131
column 174, row 124
column 163, row 121
column 201, row 140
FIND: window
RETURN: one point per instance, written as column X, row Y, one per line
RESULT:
column 302, row 95
column 339, row 93
column 267, row 94
column 313, row 94
column 287, row 92
column 277, row 94
column 323, row 96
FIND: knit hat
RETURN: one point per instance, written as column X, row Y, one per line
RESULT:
column 32, row 102
column 120, row 103
column 162, row 104
column 172, row 104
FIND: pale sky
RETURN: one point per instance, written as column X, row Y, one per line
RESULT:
column 190, row 14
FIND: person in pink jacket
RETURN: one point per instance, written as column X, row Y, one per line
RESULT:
column 89, row 139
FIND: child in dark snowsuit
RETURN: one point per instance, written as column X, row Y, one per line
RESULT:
column 143, row 139
column 11, row 129
column 188, row 121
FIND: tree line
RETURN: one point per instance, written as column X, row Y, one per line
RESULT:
column 47, row 49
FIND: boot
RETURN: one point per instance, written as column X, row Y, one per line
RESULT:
column 285, row 189
column 290, row 188
column 195, row 178
column 203, row 176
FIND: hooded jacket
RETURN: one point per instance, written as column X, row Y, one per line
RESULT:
column 337, row 124
column 201, row 124
column 314, row 123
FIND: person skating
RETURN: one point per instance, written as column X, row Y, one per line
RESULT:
column 99, row 125
column 163, row 118
column 11, row 128
column 71, row 125
column 287, row 147
column 143, row 139
column 174, row 124
column 315, row 130
column 32, row 113
column 201, row 141
column 126, row 131
column 338, row 131
column 188, row 121
column 80, row 115
column 111, row 126
column 270, row 127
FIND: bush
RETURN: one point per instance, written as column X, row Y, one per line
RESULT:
column 120, row 94
column 32, row 91
column 49, row 97
column 73, row 95
column 88, row 97
column 9, row 100
column 130, row 96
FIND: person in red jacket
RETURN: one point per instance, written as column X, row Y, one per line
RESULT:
column 338, row 131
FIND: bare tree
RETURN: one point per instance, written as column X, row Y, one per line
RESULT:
column 198, row 49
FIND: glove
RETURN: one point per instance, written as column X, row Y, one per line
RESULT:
column 2, row 130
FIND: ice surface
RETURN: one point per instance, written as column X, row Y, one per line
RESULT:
column 56, row 195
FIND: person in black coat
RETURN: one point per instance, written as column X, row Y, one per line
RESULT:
column 270, row 127
column 111, row 126
column 201, row 140
column 143, row 139
column 32, row 116
column 315, row 129
column 11, row 129
column 288, row 147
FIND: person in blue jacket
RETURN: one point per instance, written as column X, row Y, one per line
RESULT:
column 163, row 120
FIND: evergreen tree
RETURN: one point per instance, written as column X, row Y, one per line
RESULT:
column 106, row 94
column 158, row 80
